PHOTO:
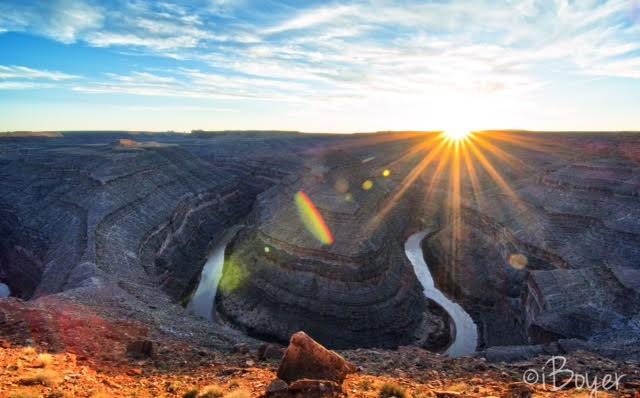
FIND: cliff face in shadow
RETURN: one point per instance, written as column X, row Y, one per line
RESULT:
column 117, row 220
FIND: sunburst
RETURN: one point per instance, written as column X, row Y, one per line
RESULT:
column 462, row 154
column 457, row 134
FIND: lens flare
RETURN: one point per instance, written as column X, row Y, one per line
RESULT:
column 312, row 219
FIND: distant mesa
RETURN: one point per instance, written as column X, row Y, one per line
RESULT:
column 31, row 134
column 126, row 143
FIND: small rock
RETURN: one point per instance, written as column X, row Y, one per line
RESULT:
column 111, row 384
column 135, row 372
column 141, row 349
column 249, row 362
column 241, row 348
column 229, row 371
column 447, row 394
column 277, row 386
column 310, row 388
column 307, row 359
column 517, row 390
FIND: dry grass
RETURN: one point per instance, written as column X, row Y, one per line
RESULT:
column 44, row 377
column 458, row 387
column 365, row 385
column 43, row 361
column 29, row 351
column 211, row 391
column 24, row 394
column 390, row 390
column 238, row 394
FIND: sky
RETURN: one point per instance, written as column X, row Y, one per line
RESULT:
column 332, row 66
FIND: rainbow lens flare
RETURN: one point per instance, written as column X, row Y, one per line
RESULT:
column 312, row 219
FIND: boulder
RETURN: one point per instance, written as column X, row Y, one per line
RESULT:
column 307, row 359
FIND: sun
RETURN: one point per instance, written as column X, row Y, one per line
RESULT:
column 456, row 134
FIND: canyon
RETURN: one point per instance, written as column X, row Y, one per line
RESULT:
column 535, row 235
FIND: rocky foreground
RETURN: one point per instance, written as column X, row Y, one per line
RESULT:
column 69, row 352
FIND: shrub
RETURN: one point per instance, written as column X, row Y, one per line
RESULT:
column 29, row 350
column 45, row 377
column 190, row 394
column 211, row 392
column 390, row 390
column 238, row 394
column 365, row 385
column 43, row 361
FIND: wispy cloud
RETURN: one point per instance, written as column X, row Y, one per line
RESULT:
column 22, row 77
column 22, row 72
column 312, row 18
column 61, row 20
column 18, row 85
column 193, row 83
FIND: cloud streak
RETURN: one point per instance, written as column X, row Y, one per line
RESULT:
column 22, row 78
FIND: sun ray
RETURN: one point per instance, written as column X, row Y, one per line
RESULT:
column 499, row 153
column 530, row 143
column 495, row 175
column 416, row 149
column 439, row 168
column 407, row 182
column 473, row 177
column 456, row 198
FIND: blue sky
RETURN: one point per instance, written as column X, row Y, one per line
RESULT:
column 319, row 66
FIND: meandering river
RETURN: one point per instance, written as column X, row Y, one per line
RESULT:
column 202, row 301
column 466, row 337
column 466, row 332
